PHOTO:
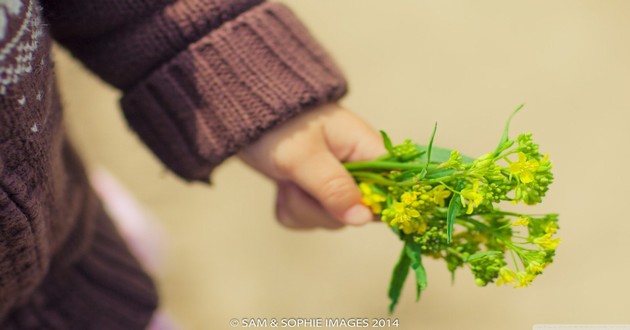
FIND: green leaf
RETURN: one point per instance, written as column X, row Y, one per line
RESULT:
column 415, row 254
column 505, row 137
column 454, row 206
column 399, row 275
column 431, row 144
column 388, row 143
column 481, row 254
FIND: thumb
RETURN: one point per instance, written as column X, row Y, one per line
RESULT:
column 324, row 178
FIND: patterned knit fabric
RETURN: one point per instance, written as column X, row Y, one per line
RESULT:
column 200, row 80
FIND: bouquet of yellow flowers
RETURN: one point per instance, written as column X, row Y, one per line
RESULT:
column 443, row 205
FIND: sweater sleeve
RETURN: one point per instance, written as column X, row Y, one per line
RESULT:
column 200, row 78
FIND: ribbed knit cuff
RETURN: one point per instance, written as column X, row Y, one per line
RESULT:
column 224, row 91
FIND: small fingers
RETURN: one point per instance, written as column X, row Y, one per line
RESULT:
column 323, row 177
column 296, row 209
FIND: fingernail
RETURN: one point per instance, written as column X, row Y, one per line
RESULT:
column 358, row 215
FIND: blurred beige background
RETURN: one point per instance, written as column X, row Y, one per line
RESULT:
column 463, row 64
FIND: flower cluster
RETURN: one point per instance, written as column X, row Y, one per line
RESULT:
column 410, row 212
column 445, row 205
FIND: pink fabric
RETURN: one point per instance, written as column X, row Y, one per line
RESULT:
column 145, row 237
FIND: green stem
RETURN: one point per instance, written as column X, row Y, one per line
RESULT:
column 455, row 192
column 480, row 225
column 465, row 223
column 455, row 252
column 375, row 178
column 514, row 260
column 502, row 212
column 383, row 165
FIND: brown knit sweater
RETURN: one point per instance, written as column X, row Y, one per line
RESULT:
column 200, row 80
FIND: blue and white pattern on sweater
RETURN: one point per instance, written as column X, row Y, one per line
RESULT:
column 20, row 31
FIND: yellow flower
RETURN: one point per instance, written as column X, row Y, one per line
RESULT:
column 506, row 275
column 546, row 242
column 371, row 199
column 408, row 198
column 439, row 195
column 521, row 221
column 402, row 214
column 524, row 168
column 551, row 228
column 404, row 218
column 414, row 227
column 524, row 279
column 535, row 267
column 471, row 196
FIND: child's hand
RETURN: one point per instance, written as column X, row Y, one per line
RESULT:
column 304, row 157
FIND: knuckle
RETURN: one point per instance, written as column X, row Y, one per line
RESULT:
column 283, row 163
